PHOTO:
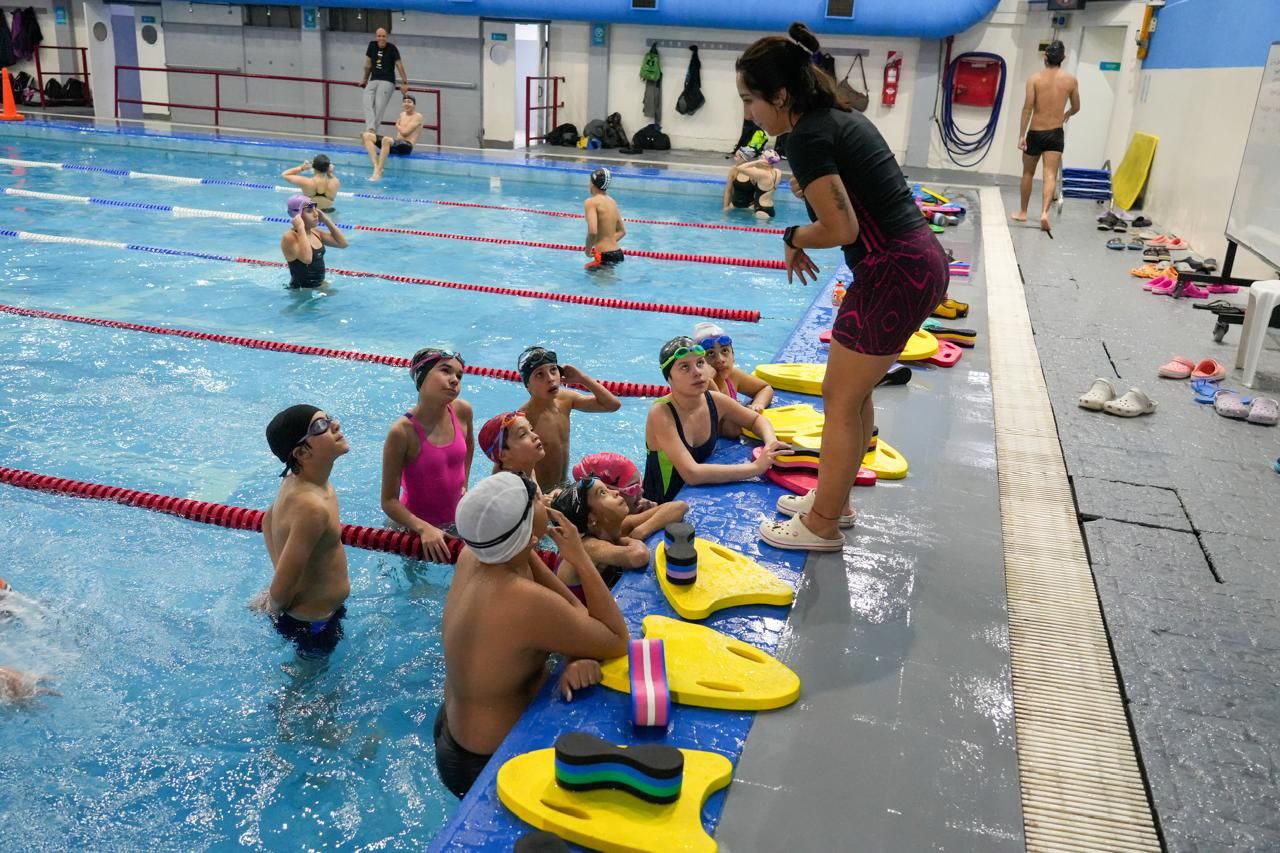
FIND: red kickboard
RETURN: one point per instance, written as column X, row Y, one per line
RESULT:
column 825, row 336
column 801, row 481
column 947, row 356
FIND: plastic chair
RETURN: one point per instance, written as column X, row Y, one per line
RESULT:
column 1264, row 296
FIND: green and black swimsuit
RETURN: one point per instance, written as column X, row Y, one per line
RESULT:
column 662, row 482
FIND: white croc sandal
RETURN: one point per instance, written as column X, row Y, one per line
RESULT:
column 1099, row 393
column 1132, row 404
column 795, row 505
column 792, row 535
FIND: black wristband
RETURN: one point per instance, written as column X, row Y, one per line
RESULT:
column 788, row 234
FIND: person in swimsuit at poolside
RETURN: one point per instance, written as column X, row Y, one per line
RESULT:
column 604, row 223
column 727, row 377
column 682, row 428
column 304, row 243
column 321, row 187
column 303, row 535
column 506, row 613
column 511, row 444
column 1043, row 127
column 426, row 458
column 857, row 199
column 753, row 178
column 550, row 405
column 408, row 129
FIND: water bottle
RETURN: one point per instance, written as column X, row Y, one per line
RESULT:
column 837, row 294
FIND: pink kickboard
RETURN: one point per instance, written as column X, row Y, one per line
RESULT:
column 800, row 481
column 959, row 272
column 825, row 336
column 650, row 698
column 947, row 355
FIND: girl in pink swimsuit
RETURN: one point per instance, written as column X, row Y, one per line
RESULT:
column 426, row 459
column 730, row 379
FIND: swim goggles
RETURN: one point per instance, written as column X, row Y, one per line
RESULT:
column 532, row 489
column 680, row 353
column 533, row 358
column 721, row 341
column 316, row 428
column 499, row 441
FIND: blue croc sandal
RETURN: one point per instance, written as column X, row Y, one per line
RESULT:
column 1204, row 390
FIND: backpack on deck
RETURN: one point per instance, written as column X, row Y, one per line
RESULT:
column 614, row 134
column 53, row 92
column 563, row 134
column 594, row 128
column 74, row 92
column 650, row 138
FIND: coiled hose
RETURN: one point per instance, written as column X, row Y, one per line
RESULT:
column 962, row 143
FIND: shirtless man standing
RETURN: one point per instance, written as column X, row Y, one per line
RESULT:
column 550, row 405
column 1043, row 121
column 303, row 535
column 408, row 129
column 505, row 615
column 604, row 223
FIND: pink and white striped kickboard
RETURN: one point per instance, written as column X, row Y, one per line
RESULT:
column 650, row 699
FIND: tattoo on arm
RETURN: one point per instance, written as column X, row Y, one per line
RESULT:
column 837, row 192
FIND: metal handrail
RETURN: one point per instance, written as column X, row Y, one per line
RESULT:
column 84, row 63
column 217, row 109
column 529, row 109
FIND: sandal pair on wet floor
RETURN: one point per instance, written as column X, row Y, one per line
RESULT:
column 1101, row 397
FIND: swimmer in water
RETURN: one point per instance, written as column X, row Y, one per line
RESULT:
column 303, row 534
column 604, row 223
column 550, row 405
column 321, row 187
column 728, row 378
column 511, row 444
column 17, row 687
column 752, row 180
column 303, row 245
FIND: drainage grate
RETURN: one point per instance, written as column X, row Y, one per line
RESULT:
column 1081, row 783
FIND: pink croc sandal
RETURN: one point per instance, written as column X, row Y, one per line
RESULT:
column 1166, row 288
column 1264, row 410
column 1177, row 368
column 1159, row 281
column 1190, row 290
column 1209, row 369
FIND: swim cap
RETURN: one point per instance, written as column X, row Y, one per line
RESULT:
column 572, row 501
column 1055, row 52
column 425, row 359
column 748, row 153
column 494, row 433
column 702, row 331
column 771, row 156
column 320, row 163
column 669, row 349
column 600, row 179
column 298, row 203
column 495, row 518
column 531, row 359
column 613, row 469
column 287, row 430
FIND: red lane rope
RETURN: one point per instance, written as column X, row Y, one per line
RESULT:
column 223, row 515
column 757, row 263
column 753, row 229
column 745, row 315
column 622, row 389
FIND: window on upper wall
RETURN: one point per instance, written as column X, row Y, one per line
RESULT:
column 280, row 17
column 839, row 8
column 359, row 20
column 644, row 4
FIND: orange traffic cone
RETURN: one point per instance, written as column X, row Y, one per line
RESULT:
column 10, row 112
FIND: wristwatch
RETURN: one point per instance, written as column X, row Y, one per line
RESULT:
column 788, row 234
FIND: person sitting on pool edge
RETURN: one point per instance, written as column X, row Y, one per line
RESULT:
column 550, row 405
column 681, row 430
column 511, row 444
column 321, row 187
column 727, row 377
column 613, row 537
column 752, row 180
column 304, row 243
column 604, row 223
column 505, row 614
column 426, row 458
column 408, row 129
column 306, row 599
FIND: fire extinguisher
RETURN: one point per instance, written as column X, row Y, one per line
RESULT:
column 889, row 95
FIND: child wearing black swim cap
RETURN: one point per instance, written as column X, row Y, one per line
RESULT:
column 604, row 223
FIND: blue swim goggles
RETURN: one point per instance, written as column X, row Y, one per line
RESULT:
column 721, row 341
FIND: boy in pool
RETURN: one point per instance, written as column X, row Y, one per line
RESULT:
column 550, row 406
column 604, row 223
column 303, row 534
column 506, row 613
column 511, row 444
column 728, row 378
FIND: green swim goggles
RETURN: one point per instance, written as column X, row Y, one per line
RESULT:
column 680, row 353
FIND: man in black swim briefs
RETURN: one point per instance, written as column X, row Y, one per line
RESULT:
column 604, row 223
column 1043, row 127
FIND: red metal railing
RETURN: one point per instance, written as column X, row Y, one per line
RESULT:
column 530, row 109
column 84, row 64
column 218, row 109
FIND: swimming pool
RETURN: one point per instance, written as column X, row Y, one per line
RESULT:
column 185, row 721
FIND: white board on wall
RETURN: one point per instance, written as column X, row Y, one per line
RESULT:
column 1254, row 220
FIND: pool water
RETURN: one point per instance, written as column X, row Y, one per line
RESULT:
column 185, row 721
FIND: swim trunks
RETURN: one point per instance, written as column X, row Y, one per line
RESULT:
column 458, row 766
column 894, row 290
column 606, row 259
column 1040, row 141
column 315, row 639
column 399, row 147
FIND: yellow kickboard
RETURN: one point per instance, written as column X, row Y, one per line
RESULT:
column 725, row 579
column 1131, row 176
column 711, row 670
column 801, row 426
column 614, row 821
column 806, row 377
column 791, row 420
column 888, row 463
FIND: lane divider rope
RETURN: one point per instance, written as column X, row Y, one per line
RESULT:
column 723, row 260
column 740, row 314
column 251, row 185
column 622, row 389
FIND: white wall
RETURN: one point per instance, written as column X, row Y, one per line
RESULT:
column 569, row 44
